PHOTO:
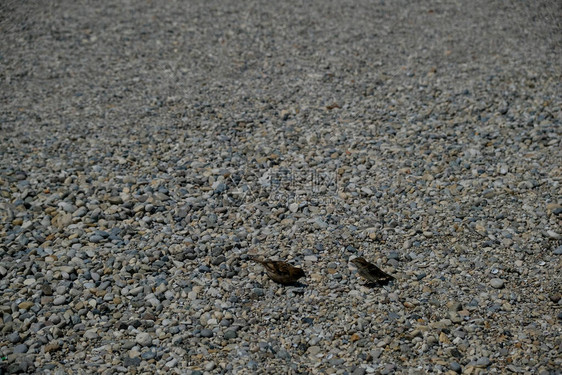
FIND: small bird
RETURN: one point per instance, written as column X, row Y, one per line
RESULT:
column 279, row 271
column 371, row 272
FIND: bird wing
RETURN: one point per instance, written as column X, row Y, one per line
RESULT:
column 278, row 267
column 378, row 273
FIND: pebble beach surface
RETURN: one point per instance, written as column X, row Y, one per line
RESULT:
column 149, row 148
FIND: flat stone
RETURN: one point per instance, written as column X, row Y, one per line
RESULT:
column 67, row 269
column 455, row 367
column 20, row 348
column 96, row 238
column 497, row 283
column 14, row 337
column 209, row 366
column 483, row 362
column 144, row 339
column 91, row 334
column 128, row 361
column 206, row 332
column 25, row 305
column 59, row 300
column 313, row 350
column 148, row 355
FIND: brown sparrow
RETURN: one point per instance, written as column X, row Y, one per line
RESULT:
column 279, row 271
column 370, row 272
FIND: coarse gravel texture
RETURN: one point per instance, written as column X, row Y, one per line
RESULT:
column 147, row 148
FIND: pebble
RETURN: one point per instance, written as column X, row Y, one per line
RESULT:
column 148, row 355
column 91, row 334
column 483, row 362
column 456, row 367
column 96, row 238
column 128, row 361
column 14, row 337
column 209, row 366
column 20, row 348
column 497, row 283
column 25, row 305
column 206, row 333
column 144, row 339
column 129, row 210
column 59, row 300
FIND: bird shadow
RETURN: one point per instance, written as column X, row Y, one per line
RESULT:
column 297, row 284
column 378, row 284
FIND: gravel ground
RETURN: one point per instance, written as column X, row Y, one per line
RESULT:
column 147, row 148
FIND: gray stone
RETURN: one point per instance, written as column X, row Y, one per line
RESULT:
column 206, row 332
column 148, row 355
column 96, row 238
column 455, row 367
column 497, row 283
column 20, row 348
column 483, row 362
column 209, row 366
column 128, row 361
column 91, row 334
column 128, row 344
column 144, row 339
column 14, row 337
column 59, row 300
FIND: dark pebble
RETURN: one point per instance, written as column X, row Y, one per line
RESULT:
column 206, row 333
column 128, row 344
column 14, row 337
column 148, row 355
column 96, row 238
column 283, row 354
column 101, row 233
column 20, row 348
column 455, row 367
column 393, row 255
column 351, row 249
column 218, row 260
column 128, row 361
